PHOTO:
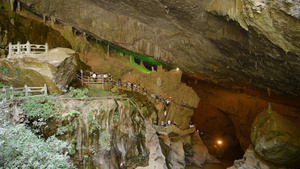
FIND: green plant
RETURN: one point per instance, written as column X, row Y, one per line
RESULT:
column 103, row 108
column 72, row 147
column 105, row 140
column 85, row 157
column 115, row 117
column 19, row 94
column 61, row 130
column 20, row 148
column 78, row 93
column 71, row 114
column 93, row 123
column 41, row 107
column 142, row 132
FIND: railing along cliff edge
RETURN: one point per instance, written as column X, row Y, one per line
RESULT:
column 26, row 90
column 27, row 48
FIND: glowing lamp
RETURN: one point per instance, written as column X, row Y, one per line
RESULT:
column 177, row 68
column 219, row 142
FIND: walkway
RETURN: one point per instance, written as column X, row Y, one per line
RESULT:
column 173, row 129
column 165, row 130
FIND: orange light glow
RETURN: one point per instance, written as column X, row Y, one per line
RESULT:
column 219, row 142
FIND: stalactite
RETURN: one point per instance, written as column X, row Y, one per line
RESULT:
column 12, row 5
column 18, row 7
column 53, row 20
column 44, row 18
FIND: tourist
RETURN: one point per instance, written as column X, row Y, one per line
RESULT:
column 165, row 111
column 99, row 75
column 159, row 98
column 162, row 123
column 105, row 77
column 80, row 73
column 191, row 124
column 94, row 76
column 134, row 87
column 155, row 123
column 168, row 102
column 169, row 122
column 128, row 85
column 120, row 82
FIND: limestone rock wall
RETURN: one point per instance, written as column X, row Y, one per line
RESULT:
column 243, row 46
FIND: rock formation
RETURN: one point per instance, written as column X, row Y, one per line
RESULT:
column 276, row 139
column 247, row 42
column 252, row 160
column 56, row 68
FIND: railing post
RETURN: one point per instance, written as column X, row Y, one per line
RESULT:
column 26, row 90
column 10, row 48
column 12, row 92
column 18, row 48
column 28, row 47
column 103, row 83
column 45, row 89
column 46, row 47
column 4, row 90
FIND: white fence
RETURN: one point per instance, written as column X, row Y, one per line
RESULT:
column 11, row 93
column 27, row 48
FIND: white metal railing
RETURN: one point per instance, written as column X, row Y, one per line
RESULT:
column 10, row 93
column 27, row 48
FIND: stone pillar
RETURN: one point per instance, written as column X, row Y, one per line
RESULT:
column 10, row 49
column 28, row 48
column 26, row 90
column 46, row 47
column 18, row 48
column 4, row 91
column 12, row 92
column 45, row 89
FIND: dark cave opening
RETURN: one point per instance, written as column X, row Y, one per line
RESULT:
column 214, row 125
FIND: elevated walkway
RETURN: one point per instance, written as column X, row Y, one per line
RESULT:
column 173, row 129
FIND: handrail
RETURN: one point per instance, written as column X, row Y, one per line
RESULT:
column 27, row 48
column 24, row 89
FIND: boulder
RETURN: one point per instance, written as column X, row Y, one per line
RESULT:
column 251, row 160
column 56, row 68
column 276, row 139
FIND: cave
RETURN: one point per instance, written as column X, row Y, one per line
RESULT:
column 224, row 63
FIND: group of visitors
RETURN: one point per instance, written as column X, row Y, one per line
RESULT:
column 98, row 76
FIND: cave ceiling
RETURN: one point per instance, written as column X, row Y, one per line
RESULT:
column 253, row 43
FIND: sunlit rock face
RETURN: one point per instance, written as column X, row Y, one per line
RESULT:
column 245, row 42
column 55, row 68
